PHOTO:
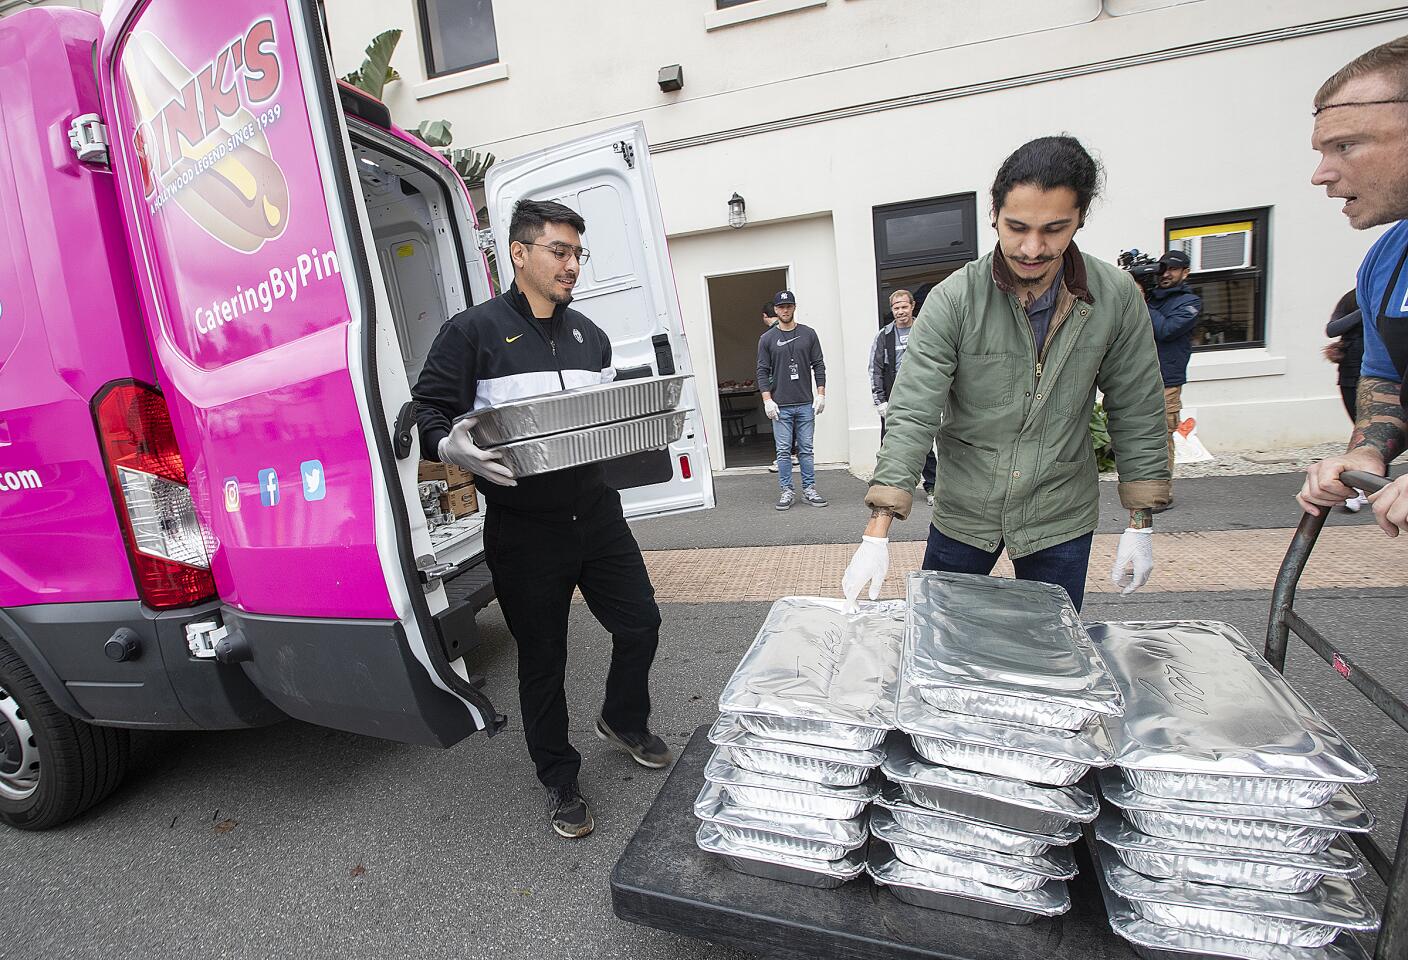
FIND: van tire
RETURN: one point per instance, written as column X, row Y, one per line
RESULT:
column 80, row 764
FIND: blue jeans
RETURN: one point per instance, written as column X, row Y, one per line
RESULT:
column 796, row 421
column 1065, row 564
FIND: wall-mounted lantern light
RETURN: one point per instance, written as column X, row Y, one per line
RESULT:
column 737, row 211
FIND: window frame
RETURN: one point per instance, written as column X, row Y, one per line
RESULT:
column 427, row 49
column 1260, row 270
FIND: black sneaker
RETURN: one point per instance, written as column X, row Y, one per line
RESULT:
column 571, row 817
column 812, row 497
column 645, row 748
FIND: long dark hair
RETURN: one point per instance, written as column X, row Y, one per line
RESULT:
column 1048, row 163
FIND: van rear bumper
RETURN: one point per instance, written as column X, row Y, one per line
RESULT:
column 162, row 687
column 355, row 675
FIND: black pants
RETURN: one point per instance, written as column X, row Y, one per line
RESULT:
column 1349, row 394
column 536, row 563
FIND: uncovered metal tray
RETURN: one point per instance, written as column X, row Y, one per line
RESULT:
column 1287, row 829
column 1207, row 718
column 975, row 863
column 818, row 874
column 767, row 792
column 575, row 409
column 832, row 766
column 527, row 458
column 715, row 806
column 1310, row 919
column 1004, row 650
column 813, row 665
column 936, row 891
column 946, row 827
column 1014, row 804
column 1165, row 859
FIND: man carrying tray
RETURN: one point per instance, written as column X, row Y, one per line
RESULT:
column 549, row 534
column 1002, row 367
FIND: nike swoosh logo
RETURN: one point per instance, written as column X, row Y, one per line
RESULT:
column 782, row 343
column 511, row 339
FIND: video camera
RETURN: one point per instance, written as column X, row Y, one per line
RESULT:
column 1145, row 270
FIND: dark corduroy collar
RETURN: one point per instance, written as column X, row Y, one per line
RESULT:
column 1072, row 273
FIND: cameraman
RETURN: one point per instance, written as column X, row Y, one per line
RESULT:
column 1174, row 309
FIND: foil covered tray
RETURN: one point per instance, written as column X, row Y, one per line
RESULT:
column 1214, row 721
column 575, row 409
column 527, row 458
column 1014, row 804
column 783, row 758
column 1154, row 940
column 975, row 863
column 790, row 833
column 1310, row 919
column 1003, row 750
column 786, row 795
column 820, row 673
column 935, row 891
column 1004, row 650
column 974, row 833
column 818, row 874
column 1288, row 829
column 1165, row 859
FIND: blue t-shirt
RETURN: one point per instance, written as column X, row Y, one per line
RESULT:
column 1374, row 275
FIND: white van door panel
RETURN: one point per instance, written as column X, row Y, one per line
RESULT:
column 626, row 287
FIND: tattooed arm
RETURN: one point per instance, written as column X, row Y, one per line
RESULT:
column 1380, row 434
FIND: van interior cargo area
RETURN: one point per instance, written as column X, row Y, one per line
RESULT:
column 420, row 250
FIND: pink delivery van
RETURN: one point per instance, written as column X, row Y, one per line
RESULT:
column 220, row 273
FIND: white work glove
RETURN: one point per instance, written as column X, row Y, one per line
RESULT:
column 1137, row 550
column 608, row 374
column 819, row 404
column 869, row 565
column 770, row 408
column 882, row 409
column 460, row 449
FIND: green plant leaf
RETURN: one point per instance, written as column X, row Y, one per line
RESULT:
column 376, row 70
column 435, row 133
column 471, row 165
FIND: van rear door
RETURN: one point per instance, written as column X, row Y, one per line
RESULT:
column 627, row 288
column 277, row 356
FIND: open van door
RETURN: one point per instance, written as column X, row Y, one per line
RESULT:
column 279, row 363
column 627, row 288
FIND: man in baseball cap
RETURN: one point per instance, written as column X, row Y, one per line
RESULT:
column 789, row 357
column 1174, row 309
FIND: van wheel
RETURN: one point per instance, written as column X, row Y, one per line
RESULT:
column 52, row 767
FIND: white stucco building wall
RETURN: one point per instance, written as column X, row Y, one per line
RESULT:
column 817, row 111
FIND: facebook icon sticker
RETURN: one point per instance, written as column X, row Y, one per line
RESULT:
column 269, row 488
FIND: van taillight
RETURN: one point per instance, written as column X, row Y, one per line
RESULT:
column 685, row 472
column 148, row 480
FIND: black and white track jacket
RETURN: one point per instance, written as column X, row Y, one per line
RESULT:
column 496, row 352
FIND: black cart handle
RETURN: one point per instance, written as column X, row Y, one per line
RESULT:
column 1368, row 482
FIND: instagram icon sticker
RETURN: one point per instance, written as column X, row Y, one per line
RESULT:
column 232, row 494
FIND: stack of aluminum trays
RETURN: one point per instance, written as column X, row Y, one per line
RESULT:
column 798, row 741
column 1000, row 694
column 583, row 425
column 1228, row 805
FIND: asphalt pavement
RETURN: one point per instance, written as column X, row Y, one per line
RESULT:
column 295, row 841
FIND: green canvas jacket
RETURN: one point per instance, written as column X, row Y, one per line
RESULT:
column 1015, row 460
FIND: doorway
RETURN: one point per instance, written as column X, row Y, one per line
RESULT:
column 736, row 319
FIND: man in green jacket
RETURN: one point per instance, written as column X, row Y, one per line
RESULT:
column 1002, row 367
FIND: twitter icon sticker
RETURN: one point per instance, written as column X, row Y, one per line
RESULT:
column 315, row 485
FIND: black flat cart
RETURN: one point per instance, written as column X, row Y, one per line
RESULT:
column 664, row 880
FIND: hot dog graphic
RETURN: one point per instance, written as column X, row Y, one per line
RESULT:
column 198, row 143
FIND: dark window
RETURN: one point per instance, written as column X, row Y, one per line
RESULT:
column 1228, row 251
column 457, row 35
column 919, row 242
column 725, row 4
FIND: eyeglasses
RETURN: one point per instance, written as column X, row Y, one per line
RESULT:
column 562, row 251
column 1352, row 103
